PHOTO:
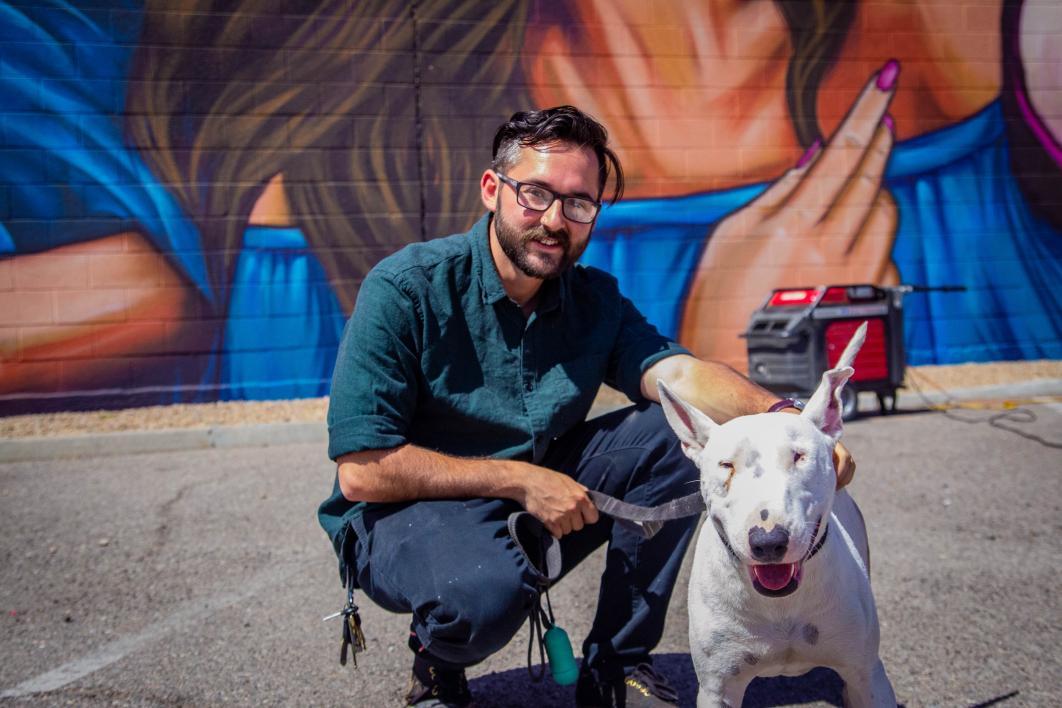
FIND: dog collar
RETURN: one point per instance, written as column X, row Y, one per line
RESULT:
column 818, row 544
column 786, row 403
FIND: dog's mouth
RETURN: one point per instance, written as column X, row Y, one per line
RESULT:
column 776, row 579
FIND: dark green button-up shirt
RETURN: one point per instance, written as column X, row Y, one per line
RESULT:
column 437, row 355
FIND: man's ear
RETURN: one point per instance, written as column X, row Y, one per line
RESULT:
column 489, row 186
column 690, row 425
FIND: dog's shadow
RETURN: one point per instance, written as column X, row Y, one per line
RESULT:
column 515, row 689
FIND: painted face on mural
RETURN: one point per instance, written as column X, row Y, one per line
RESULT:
column 544, row 244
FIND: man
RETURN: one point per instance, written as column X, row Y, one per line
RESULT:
column 460, row 395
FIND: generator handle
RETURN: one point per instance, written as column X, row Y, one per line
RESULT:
column 928, row 288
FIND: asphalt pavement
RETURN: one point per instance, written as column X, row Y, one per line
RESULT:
column 199, row 576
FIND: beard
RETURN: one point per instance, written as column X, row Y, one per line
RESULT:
column 515, row 244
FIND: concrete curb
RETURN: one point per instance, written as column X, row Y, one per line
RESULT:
column 266, row 434
column 1023, row 391
column 166, row 440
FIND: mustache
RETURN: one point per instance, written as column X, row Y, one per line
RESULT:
column 561, row 236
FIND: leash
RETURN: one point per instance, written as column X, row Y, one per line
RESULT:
column 543, row 556
column 647, row 520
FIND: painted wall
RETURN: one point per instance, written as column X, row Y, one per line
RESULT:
column 191, row 192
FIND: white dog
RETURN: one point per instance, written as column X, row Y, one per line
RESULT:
column 780, row 581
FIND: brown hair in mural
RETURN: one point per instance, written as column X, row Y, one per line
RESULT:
column 817, row 30
column 221, row 104
column 227, row 97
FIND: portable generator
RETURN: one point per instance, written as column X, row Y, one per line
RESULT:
column 798, row 333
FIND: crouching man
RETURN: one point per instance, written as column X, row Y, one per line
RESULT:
column 460, row 395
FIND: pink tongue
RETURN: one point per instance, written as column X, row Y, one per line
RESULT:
column 776, row 576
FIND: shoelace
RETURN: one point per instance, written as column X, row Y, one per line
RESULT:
column 646, row 676
column 441, row 684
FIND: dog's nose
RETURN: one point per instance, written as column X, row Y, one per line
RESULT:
column 768, row 546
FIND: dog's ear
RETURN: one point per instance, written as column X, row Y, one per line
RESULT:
column 824, row 408
column 690, row 425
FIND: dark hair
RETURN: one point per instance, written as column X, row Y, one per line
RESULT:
column 226, row 94
column 817, row 30
column 565, row 124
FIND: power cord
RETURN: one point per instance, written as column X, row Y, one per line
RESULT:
column 1012, row 412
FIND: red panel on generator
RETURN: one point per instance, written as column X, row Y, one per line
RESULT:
column 872, row 361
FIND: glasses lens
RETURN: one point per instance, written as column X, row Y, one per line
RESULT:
column 534, row 197
column 580, row 210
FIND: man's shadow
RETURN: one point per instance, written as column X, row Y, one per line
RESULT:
column 515, row 689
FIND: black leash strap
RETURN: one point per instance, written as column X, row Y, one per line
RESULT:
column 543, row 552
column 543, row 555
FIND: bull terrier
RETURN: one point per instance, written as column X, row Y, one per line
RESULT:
column 780, row 581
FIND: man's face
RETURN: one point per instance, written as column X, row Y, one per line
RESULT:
column 543, row 244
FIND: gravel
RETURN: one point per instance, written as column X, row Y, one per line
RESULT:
column 204, row 415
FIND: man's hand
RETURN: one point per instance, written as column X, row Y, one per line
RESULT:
column 558, row 501
column 844, row 464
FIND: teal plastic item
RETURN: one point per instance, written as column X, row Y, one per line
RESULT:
column 561, row 659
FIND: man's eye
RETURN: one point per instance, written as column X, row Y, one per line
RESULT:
column 580, row 206
column 536, row 194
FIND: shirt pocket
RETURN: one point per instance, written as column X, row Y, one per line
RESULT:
column 572, row 385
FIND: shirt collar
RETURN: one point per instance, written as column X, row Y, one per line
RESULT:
column 551, row 296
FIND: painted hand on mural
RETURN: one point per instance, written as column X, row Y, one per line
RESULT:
column 828, row 220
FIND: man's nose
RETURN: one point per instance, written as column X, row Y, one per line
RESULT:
column 553, row 217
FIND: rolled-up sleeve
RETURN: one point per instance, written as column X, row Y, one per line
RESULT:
column 376, row 382
column 638, row 346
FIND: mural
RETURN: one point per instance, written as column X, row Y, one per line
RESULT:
column 191, row 192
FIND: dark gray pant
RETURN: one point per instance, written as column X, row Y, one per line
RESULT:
column 452, row 564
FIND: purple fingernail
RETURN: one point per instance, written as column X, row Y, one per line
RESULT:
column 889, row 123
column 809, row 153
column 887, row 75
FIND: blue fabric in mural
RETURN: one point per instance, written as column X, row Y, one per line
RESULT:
column 284, row 322
column 962, row 220
column 66, row 176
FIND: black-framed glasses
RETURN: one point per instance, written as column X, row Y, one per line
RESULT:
column 538, row 198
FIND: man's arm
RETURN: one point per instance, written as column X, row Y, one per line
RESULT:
column 712, row 387
column 408, row 472
column 722, row 394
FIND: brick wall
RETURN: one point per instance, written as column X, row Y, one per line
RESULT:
column 137, row 143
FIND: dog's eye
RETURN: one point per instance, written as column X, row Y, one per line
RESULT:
column 726, row 465
column 798, row 457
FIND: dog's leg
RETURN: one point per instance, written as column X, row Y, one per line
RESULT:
column 731, row 696
column 868, row 689
column 724, row 692
column 881, row 693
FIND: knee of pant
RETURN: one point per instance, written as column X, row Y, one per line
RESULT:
column 474, row 617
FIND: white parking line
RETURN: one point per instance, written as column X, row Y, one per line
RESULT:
column 185, row 614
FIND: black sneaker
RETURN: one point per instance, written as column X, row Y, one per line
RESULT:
column 642, row 687
column 435, row 687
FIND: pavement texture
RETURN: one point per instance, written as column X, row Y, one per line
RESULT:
column 196, row 574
